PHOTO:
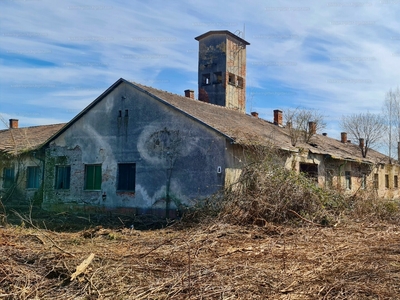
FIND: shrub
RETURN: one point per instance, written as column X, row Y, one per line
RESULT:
column 268, row 192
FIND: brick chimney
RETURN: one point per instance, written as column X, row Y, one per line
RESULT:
column 13, row 123
column 312, row 127
column 189, row 94
column 362, row 143
column 343, row 137
column 278, row 117
column 254, row 114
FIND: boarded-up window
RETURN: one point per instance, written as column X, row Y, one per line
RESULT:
column 8, row 177
column 63, row 175
column 126, row 177
column 93, row 177
column 32, row 177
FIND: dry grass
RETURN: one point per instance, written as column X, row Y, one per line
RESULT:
column 218, row 261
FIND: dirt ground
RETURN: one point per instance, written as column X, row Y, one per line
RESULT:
column 214, row 261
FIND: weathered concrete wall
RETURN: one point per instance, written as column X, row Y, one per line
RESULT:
column 332, row 174
column 19, row 193
column 172, row 153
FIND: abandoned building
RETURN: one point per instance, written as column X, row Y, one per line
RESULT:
column 142, row 150
column 22, row 161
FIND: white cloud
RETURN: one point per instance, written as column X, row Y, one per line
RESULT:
column 336, row 56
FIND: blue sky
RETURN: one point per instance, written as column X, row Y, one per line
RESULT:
column 56, row 57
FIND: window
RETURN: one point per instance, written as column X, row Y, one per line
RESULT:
column 218, row 77
column 8, row 177
column 376, row 181
column 32, row 177
column 347, row 175
column 239, row 82
column 310, row 171
column 206, row 79
column 93, row 177
column 396, row 182
column 231, row 79
column 329, row 178
column 387, row 181
column 126, row 177
column 63, row 175
column 364, row 181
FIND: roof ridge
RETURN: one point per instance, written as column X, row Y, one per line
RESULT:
column 184, row 97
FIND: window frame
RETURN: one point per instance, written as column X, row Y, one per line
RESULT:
column 65, row 171
column 33, row 177
column 97, row 176
column 387, row 183
column 347, row 178
column 130, row 177
column 206, row 79
column 217, row 77
column 231, row 79
column 376, row 181
column 8, row 181
column 239, row 82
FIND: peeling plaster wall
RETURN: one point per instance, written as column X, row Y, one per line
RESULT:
column 172, row 153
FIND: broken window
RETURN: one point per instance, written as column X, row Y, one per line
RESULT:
column 239, row 82
column 8, row 177
column 126, row 177
column 347, row 176
column 93, row 177
column 231, row 78
column 218, row 77
column 309, row 170
column 63, row 175
column 206, row 79
column 376, row 181
column 329, row 178
column 32, row 177
column 364, row 181
column 387, row 181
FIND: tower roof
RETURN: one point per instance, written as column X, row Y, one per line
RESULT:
column 200, row 37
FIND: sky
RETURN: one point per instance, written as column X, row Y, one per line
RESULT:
column 336, row 57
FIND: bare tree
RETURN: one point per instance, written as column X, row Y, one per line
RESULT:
column 303, row 124
column 390, row 112
column 367, row 127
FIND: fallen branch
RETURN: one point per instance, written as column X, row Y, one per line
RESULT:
column 82, row 267
column 304, row 219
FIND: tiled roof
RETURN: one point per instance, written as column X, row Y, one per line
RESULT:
column 17, row 140
column 248, row 130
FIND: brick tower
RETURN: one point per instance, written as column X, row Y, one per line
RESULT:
column 222, row 69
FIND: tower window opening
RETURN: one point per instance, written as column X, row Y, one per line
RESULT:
column 218, row 77
column 206, row 79
column 231, row 79
column 239, row 82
